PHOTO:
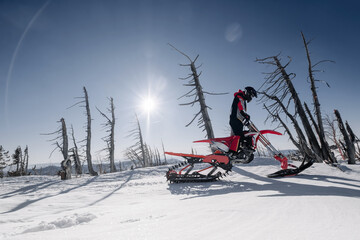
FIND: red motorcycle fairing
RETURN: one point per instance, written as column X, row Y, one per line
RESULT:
column 227, row 140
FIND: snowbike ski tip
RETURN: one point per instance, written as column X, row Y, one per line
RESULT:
column 291, row 171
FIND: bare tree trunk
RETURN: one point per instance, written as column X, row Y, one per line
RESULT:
column 351, row 135
column 26, row 160
column 66, row 169
column 88, row 138
column 333, row 136
column 21, row 163
column 198, row 94
column 319, row 127
column 17, row 159
column 312, row 119
column 142, row 145
column 344, row 149
column 4, row 160
column 350, row 148
column 112, row 137
column 78, row 167
column 298, row 106
column 65, row 145
column 203, row 107
column 120, row 166
column 165, row 162
column 158, row 157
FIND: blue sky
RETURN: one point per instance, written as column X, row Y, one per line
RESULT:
column 51, row 49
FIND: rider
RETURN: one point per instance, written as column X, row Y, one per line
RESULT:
column 239, row 117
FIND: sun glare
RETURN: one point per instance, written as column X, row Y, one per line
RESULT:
column 149, row 104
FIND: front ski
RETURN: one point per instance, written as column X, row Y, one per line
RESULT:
column 291, row 171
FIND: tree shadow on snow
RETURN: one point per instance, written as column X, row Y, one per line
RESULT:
column 115, row 190
column 29, row 202
column 277, row 187
column 29, row 189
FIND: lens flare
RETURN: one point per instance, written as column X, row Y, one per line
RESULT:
column 15, row 53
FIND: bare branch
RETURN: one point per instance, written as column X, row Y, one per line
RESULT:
column 76, row 104
column 211, row 93
column 180, row 52
column 193, row 119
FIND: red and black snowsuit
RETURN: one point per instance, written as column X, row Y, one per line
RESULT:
column 237, row 118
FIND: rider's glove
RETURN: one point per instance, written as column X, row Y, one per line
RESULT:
column 246, row 120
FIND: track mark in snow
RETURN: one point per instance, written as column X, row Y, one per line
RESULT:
column 12, row 221
column 130, row 221
column 148, row 218
column 135, row 184
column 65, row 222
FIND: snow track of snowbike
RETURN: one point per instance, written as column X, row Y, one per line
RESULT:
column 219, row 167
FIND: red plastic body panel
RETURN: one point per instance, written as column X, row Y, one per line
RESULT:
column 216, row 158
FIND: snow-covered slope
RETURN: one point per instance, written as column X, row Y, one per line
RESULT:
column 321, row 203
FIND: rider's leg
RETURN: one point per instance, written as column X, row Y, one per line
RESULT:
column 237, row 129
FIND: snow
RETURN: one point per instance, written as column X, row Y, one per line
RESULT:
column 320, row 203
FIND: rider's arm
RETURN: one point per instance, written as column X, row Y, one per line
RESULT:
column 241, row 114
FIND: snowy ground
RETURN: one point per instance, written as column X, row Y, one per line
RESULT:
column 321, row 203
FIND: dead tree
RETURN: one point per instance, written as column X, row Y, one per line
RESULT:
column 198, row 96
column 158, row 159
column 75, row 154
column 134, row 157
column 60, row 141
column 162, row 143
column 141, row 153
column 61, row 135
column 85, row 103
column 65, row 142
column 351, row 133
column 354, row 139
column 66, row 169
column 300, row 143
column 88, row 137
column 17, row 161
column 137, row 152
column 326, row 153
column 120, row 166
column 64, row 149
column 350, row 148
column 279, row 84
column 307, row 109
column 26, row 160
column 149, row 155
column 4, row 160
column 109, row 125
column 331, row 133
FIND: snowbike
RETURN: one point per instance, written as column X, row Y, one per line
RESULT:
column 221, row 161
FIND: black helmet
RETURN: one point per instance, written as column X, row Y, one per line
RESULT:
column 250, row 92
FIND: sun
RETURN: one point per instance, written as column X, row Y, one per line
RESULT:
column 149, row 104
